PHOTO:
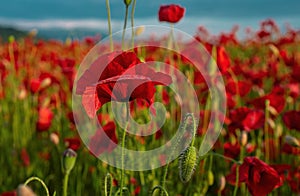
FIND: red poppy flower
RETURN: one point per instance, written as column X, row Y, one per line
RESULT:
column 276, row 98
column 254, row 120
column 246, row 119
column 291, row 119
column 260, row 178
column 99, row 143
column 35, row 85
column 137, row 190
column 170, row 13
column 241, row 88
column 25, row 157
column 223, row 60
column 73, row 143
column 125, row 78
column 250, row 148
column 294, row 180
column 288, row 149
column 44, row 119
column 263, row 34
column 10, row 193
column 232, row 150
column 282, row 169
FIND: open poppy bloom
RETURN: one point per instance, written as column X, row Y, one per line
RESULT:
column 260, row 178
column 170, row 13
column 291, row 119
column 124, row 78
column 99, row 144
column 44, row 119
column 247, row 119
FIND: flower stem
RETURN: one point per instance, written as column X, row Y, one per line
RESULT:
column 267, row 150
column 164, row 179
column 162, row 189
column 224, row 157
column 65, row 184
column 39, row 180
column 122, row 161
column 109, row 25
column 236, row 181
column 123, row 148
column 132, row 22
column 125, row 24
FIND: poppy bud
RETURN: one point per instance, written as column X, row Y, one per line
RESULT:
column 22, row 94
column 291, row 141
column 127, row 2
column 68, row 160
column 222, row 183
column 24, row 190
column 187, row 163
column 44, row 83
column 54, row 138
column 11, row 39
column 244, row 138
column 210, row 178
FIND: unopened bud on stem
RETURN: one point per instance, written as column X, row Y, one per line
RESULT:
column 69, row 159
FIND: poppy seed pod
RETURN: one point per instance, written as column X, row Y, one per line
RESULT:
column 68, row 160
column 127, row 2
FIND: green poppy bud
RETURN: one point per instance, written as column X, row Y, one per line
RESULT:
column 68, row 160
column 187, row 163
column 210, row 178
column 127, row 2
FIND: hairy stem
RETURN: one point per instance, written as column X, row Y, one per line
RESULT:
column 39, row 180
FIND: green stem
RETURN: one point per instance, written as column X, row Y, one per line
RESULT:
column 267, row 150
column 164, row 178
column 162, row 189
column 194, row 129
column 224, row 157
column 235, row 80
column 109, row 25
column 125, row 24
column 236, row 181
column 210, row 162
column 123, row 147
column 39, row 180
column 132, row 22
column 65, row 184
column 122, row 161
column 242, row 154
column 108, row 185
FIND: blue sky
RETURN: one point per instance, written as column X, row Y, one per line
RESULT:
column 39, row 9
column 90, row 15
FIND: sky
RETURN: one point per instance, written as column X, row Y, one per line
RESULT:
column 91, row 14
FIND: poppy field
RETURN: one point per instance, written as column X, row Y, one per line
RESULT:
column 51, row 91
